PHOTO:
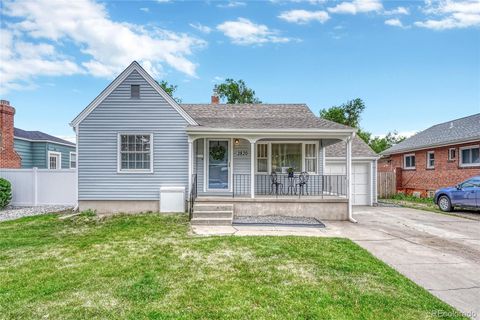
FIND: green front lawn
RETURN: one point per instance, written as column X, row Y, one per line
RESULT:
column 150, row 266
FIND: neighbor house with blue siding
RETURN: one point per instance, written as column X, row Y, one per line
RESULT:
column 139, row 150
column 41, row 150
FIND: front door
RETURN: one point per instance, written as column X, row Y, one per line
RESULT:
column 218, row 165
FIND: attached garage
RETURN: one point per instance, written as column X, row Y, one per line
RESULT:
column 364, row 168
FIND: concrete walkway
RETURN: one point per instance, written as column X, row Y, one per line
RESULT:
column 440, row 253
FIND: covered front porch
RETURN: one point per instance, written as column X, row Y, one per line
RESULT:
column 269, row 173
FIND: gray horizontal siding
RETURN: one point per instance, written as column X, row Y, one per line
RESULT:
column 98, row 176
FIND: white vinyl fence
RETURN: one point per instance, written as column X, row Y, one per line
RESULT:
column 35, row 187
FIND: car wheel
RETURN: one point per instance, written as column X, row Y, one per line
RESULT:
column 444, row 204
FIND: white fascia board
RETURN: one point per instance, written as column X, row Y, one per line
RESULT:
column 115, row 83
column 431, row 146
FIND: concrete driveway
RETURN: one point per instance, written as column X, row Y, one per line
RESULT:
column 439, row 252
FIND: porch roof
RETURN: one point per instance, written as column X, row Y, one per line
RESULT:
column 259, row 116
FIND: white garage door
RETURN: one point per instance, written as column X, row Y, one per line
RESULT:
column 360, row 180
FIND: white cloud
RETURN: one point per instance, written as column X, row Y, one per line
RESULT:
column 304, row 16
column 218, row 79
column 232, row 4
column 394, row 23
column 451, row 15
column 201, row 27
column 145, row 9
column 72, row 139
column 107, row 46
column 244, row 32
column 398, row 10
column 357, row 6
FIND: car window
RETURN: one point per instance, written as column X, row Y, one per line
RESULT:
column 475, row 182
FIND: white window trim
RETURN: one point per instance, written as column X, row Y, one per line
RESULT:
column 428, row 160
column 405, row 161
column 449, row 154
column 460, row 163
column 119, row 157
column 59, row 159
column 70, row 160
column 305, row 158
column 302, row 142
column 267, row 158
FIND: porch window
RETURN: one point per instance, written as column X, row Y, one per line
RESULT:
column 262, row 157
column 311, row 157
column 470, row 156
column 135, row 152
column 286, row 155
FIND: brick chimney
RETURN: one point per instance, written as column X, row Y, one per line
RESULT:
column 215, row 97
column 9, row 158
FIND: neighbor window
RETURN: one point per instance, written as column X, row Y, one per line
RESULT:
column 409, row 161
column 452, row 154
column 135, row 91
column 135, row 152
column 262, row 157
column 470, row 156
column 73, row 160
column 54, row 160
column 311, row 157
column 430, row 159
column 286, row 155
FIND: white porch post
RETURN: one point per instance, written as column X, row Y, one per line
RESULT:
column 252, row 168
column 190, row 164
column 349, row 177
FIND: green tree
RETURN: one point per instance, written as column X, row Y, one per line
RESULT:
column 350, row 114
column 236, row 91
column 379, row 144
column 170, row 89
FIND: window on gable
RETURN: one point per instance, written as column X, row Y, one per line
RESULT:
column 135, row 152
column 135, row 91
column 452, row 154
column 409, row 161
column 470, row 156
column 430, row 159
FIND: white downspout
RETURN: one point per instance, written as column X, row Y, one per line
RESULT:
column 349, row 177
column 77, row 164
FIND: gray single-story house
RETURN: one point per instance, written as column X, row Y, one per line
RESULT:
column 139, row 150
column 41, row 150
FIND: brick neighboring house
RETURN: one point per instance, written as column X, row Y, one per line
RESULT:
column 442, row 155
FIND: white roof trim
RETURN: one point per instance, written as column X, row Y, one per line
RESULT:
column 112, row 86
column 336, row 159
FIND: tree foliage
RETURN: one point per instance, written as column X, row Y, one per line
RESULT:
column 236, row 91
column 349, row 114
column 170, row 89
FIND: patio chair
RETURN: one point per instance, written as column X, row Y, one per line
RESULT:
column 302, row 184
column 275, row 184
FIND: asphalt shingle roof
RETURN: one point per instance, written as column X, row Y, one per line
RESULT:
column 38, row 136
column 454, row 131
column 257, row 116
column 359, row 149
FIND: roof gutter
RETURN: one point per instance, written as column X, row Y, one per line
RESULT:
column 435, row 145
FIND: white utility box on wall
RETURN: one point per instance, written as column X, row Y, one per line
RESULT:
column 172, row 199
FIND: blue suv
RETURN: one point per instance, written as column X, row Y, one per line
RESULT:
column 465, row 195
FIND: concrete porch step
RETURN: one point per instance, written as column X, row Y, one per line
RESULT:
column 198, row 207
column 211, row 221
column 225, row 214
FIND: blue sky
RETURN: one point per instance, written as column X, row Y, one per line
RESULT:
column 414, row 63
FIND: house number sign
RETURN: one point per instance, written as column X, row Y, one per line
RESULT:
column 241, row 153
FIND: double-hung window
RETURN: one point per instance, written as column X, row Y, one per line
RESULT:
column 311, row 157
column 135, row 153
column 409, row 161
column 73, row 160
column 262, row 158
column 470, row 156
column 452, row 154
column 430, row 160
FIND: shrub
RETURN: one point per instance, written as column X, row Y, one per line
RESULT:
column 5, row 193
